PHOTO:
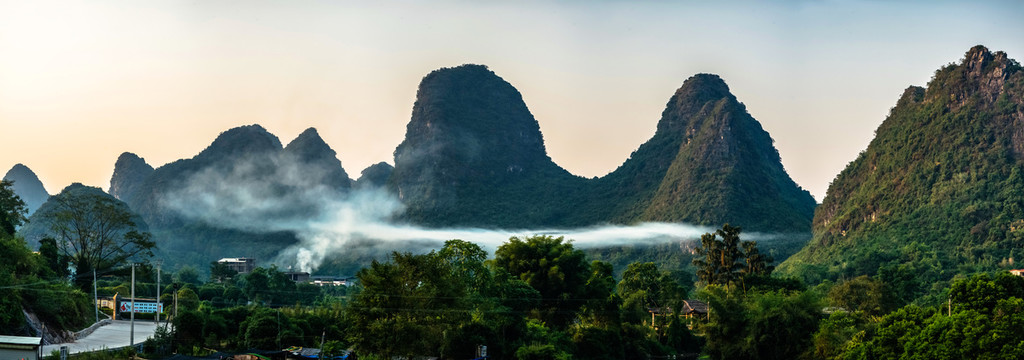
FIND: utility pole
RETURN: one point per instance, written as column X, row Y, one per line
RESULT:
column 95, row 296
column 176, row 301
column 159, row 304
column 131, row 338
column 322, row 337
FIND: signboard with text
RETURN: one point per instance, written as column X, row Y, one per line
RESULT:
column 141, row 307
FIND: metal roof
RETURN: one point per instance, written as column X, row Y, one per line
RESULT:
column 20, row 340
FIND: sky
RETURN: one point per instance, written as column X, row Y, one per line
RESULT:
column 83, row 81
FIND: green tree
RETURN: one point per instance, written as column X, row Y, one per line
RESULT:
column 981, row 292
column 553, row 267
column 12, row 209
column 643, row 286
column 717, row 259
column 835, row 332
column 52, row 258
column 188, row 275
column 269, row 286
column 268, row 329
column 443, row 303
column 401, row 309
column 770, row 325
column 756, row 263
column 221, row 272
column 863, row 293
column 96, row 232
column 188, row 300
column 188, row 330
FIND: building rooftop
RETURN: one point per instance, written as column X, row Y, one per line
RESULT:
column 20, row 340
column 241, row 259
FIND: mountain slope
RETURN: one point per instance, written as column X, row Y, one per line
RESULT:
column 474, row 155
column 310, row 150
column 708, row 163
column 27, row 186
column 130, row 171
column 374, row 176
column 939, row 190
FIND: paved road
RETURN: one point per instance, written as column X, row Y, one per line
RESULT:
column 115, row 335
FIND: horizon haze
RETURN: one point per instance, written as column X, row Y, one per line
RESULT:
column 82, row 82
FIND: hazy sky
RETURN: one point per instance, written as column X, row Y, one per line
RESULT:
column 83, row 81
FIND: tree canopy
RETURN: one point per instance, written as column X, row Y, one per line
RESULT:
column 12, row 209
column 96, row 231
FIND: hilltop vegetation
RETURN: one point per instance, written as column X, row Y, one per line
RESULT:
column 708, row 163
column 938, row 192
column 27, row 186
column 32, row 281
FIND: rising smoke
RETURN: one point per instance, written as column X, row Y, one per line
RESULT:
column 277, row 192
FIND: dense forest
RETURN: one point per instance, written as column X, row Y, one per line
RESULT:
column 938, row 192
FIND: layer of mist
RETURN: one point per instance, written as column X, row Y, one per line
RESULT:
column 275, row 192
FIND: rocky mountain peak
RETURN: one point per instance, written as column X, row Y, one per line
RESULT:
column 375, row 176
column 698, row 97
column 242, row 140
column 130, row 171
column 27, row 186
column 310, row 149
column 473, row 115
column 980, row 75
column 309, row 145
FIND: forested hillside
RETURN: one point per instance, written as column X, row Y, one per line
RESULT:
column 940, row 189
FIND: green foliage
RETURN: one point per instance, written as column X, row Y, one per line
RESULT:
column 684, row 174
column 541, row 352
column 187, row 275
column 221, row 272
column 718, row 261
column 446, row 301
column 770, row 325
column 835, row 332
column 643, row 286
column 188, row 300
column 939, row 191
column 12, row 209
column 93, row 230
column 986, row 322
column 553, row 267
column 982, row 292
column 270, row 286
column 864, row 294
column 188, row 328
column 26, row 280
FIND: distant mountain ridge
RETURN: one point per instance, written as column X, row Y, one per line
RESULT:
column 708, row 163
column 474, row 155
column 217, row 202
column 130, row 171
column 939, row 190
column 27, row 186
